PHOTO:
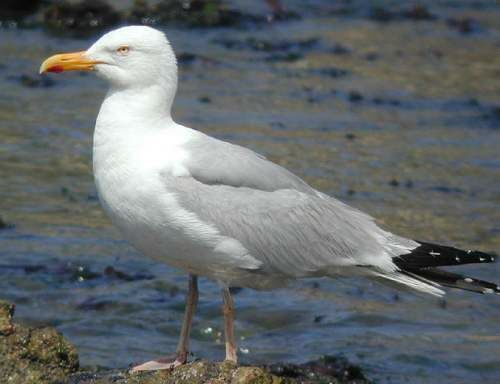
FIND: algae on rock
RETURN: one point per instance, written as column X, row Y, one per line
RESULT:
column 33, row 355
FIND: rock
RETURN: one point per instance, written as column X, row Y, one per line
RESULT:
column 4, row 224
column 17, row 9
column 81, row 19
column 464, row 24
column 33, row 355
column 190, row 13
column 335, row 370
column 355, row 96
column 43, row 356
column 418, row 12
column 6, row 313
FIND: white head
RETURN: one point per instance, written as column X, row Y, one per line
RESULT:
column 136, row 56
column 130, row 58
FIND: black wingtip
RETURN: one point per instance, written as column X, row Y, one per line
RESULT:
column 433, row 255
column 455, row 280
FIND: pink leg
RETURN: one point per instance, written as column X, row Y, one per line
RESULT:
column 228, row 310
column 181, row 354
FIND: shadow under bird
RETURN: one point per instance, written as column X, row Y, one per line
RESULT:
column 215, row 209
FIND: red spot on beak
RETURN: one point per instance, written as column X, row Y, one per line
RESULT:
column 56, row 69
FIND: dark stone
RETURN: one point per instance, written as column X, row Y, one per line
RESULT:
column 446, row 189
column 350, row 136
column 278, row 12
column 464, row 24
column 81, row 19
column 394, row 183
column 18, row 9
column 287, row 57
column 112, row 272
column 332, row 72
column 204, row 99
column 235, row 290
column 33, row 82
column 262, row 45
column 34, row 268
column 189, row 13
column 5, row 225
column 496, row 111
column 372, row 56
column 339, row 49
column 186, row 58
column 326, row 369
column 382, row 14
column 355, row 96
column 318, row 319
column 418, row 12
column 93, row 304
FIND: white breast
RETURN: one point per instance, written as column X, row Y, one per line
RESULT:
column 128, row 171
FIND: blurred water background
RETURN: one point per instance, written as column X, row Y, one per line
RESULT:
column 396, row 115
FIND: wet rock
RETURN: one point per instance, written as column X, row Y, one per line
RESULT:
column 36, row 82
column 418, row 12
column 372, row 56
column 17, row 9
column 495, row 111
column 93, row 304
column 204, row 99
column 339, row 49
column 464, row 24
column 186, row 58
column 355, row 96
column 382, row 14
column 279, row 12
column 286, row 57
column 318, row 319
column 331, row 72
column 189, row 13
column 328, row 369
column 80, row 19
column 4, row 224
column 446, row 189
column 394, row 183
column 112, row 272
column 6, row 314
column 33, row 355
column 141, row 12
column 382, row 101
column 350, row 136
column 263, row 45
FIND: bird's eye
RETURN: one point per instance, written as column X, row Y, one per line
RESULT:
column 122, row 50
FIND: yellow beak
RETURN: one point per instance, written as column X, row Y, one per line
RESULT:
column 75, row 61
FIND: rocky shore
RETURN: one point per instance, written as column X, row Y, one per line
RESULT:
column 43, row 356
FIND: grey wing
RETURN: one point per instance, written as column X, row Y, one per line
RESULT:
column 290, row 232
column 213, row 161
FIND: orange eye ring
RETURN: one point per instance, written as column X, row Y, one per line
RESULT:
column 123, row 50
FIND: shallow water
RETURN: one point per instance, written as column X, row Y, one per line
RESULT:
column 403, row 126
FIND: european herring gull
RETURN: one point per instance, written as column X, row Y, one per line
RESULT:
column 220, row 210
